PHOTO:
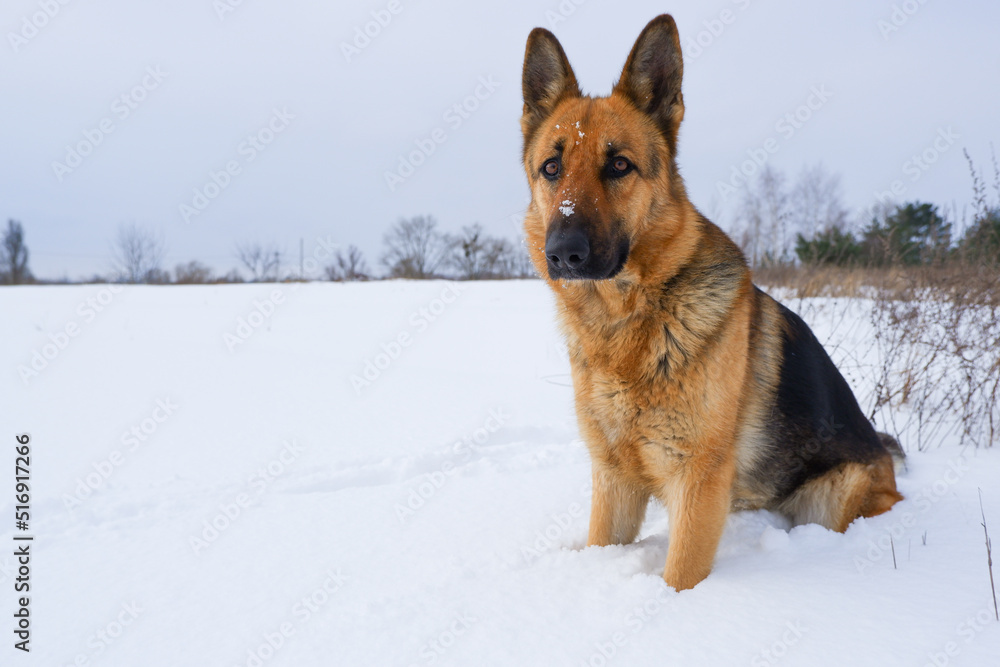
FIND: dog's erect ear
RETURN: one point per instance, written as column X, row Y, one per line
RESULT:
column 547, row 79
column 652, row 76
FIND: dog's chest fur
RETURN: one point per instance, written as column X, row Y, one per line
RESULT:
column 648, row 381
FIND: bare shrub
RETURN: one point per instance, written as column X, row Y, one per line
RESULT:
column 157, row 276
column 192, row 273
column 938, row 338
column 932, row 368
column 347, row 265
column 262, row 261
column 232, row 277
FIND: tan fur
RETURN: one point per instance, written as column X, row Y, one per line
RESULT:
column 836, row 499
column 690, row 436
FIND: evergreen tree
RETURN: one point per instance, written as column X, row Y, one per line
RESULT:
column 14, row 255
column 913, row 234
column 981, row 243
column 829, row 246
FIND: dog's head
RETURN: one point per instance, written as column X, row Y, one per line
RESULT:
column 600, row 169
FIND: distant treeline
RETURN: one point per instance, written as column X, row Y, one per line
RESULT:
column 412, row 248
column 805, row 223
column 778, row 223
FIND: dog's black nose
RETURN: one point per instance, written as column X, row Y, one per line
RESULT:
column 568, row 250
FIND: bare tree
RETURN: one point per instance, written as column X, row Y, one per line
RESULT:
column 505, row 259
column 765, row 214
column 349, row 265
column 157, row 277
column 136, row 254
column 192, row 273
column 501, row 258
column 775, row 205
column 263, row 262
column 816, row 203
column 473, row 254
column 14, row 255
column 414, row 248
column 520, row 262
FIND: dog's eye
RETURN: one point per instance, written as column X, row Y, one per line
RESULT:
column 619, row 166
column 550, row 169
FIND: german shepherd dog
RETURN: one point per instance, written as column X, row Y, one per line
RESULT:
column 692, row 385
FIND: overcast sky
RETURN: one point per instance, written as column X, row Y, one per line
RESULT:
column 309, row 128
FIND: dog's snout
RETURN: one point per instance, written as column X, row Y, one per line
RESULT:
column 568, row 250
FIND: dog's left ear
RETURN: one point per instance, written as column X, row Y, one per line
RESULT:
column 651, row 79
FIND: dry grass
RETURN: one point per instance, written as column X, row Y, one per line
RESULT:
column 806, row 282
column 935, row 332
column 981, row 284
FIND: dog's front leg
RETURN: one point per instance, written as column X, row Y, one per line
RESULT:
column 698, row 501
column 617, row 508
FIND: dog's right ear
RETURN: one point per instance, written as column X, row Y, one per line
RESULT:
column 546, row 80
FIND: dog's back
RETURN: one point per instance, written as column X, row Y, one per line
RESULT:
column 801, row 428
column 816, row 441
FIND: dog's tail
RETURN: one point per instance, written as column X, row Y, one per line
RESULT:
column 895, row 450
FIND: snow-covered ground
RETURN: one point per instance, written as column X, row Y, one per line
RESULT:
column 390, row 474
